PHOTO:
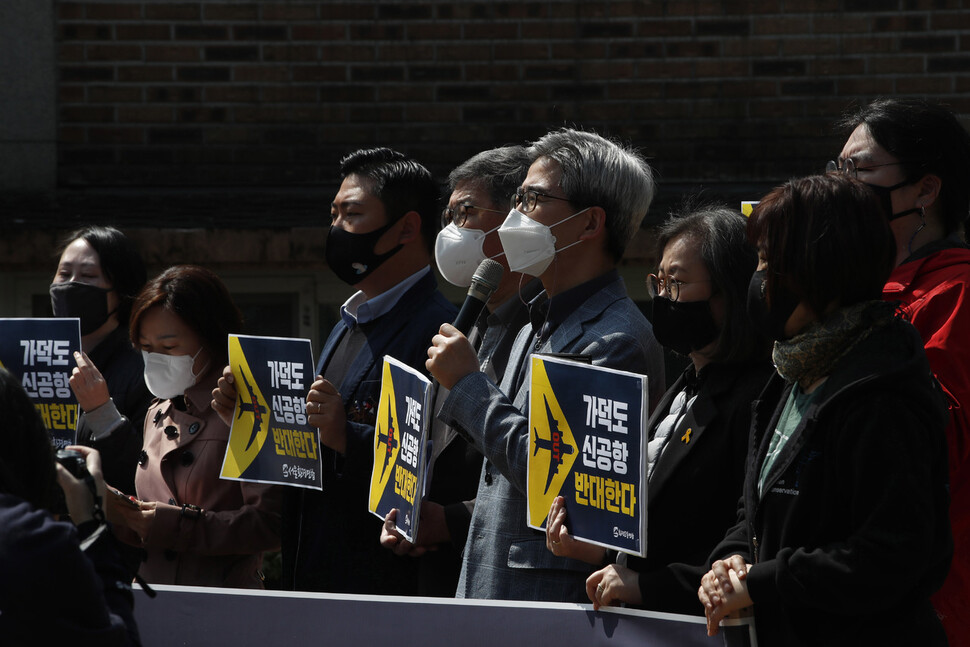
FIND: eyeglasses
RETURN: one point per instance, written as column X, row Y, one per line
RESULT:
column 529, row 198
column 849, row 168
column 656, row 285
column 459, row 214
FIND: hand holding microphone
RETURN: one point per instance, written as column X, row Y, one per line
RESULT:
column 451, row 357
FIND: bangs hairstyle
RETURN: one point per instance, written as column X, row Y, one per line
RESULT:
column 200, row 299
column 719, row 235
column 826, row 239
column 121, row 263
column 499, row 172
column 598, row 172
column 401, row 184
column 26, row 456
column 928, row 140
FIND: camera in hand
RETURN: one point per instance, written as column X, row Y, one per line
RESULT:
column 73, row 461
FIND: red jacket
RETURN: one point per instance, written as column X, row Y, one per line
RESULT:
column 935, row 293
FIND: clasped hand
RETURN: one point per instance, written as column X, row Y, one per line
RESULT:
column 724, row 590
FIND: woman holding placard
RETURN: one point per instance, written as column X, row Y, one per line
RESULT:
column 197, row 528
column 99, row 274
column 698, row 433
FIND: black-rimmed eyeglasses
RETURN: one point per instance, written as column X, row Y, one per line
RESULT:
column 656, row 285
column 459, row 214
column 528, row 198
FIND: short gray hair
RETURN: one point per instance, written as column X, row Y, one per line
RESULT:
column 500, row 171
column 598, row 172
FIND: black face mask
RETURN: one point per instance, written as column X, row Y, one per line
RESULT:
column 683, row 326
column 885, row 194
column 352, row 257
column 88, row 303
column 769, row 319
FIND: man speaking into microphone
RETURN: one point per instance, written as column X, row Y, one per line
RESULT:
column 480, row 190
column 582, row 201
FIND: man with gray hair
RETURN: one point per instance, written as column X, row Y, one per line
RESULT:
column 480, row 188
column 593, row 193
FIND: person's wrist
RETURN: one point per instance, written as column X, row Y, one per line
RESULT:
column 104, row 420
column 86, row 528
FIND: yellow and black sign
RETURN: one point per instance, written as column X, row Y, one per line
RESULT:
column 400, row 439
column 270, row 440
column 585, row 444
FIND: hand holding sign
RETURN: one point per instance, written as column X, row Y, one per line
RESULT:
column 224, row 396
column 88, row 383
column 325, row 411
column 562, row 544
column 263, row 395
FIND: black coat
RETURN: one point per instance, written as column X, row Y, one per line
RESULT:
column 693, row 492
column 52, row 593
column 124, row 372
column 852, row 535
column 331, row 542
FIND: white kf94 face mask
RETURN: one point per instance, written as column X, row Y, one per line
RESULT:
column 458, row 253
column 529, row 245
column 168, row 376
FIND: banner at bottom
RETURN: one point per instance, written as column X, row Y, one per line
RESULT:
column 214, row 617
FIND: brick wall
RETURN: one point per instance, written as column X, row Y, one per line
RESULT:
column 271, row 94
column 186, row 122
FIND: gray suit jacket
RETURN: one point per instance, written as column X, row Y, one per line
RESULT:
column 504, row 558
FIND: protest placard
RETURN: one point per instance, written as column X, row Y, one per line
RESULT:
column 270, row 440
column 586, row 444
column 40, row 352
column 400, row 445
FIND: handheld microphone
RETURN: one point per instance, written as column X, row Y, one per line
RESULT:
column 484, row 282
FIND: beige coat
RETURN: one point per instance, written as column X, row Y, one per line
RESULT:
column 180, row 464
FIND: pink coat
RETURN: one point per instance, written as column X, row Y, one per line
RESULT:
column 180, row 464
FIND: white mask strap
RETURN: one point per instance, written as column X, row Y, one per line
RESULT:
column 496, row 228
column 564, row 220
